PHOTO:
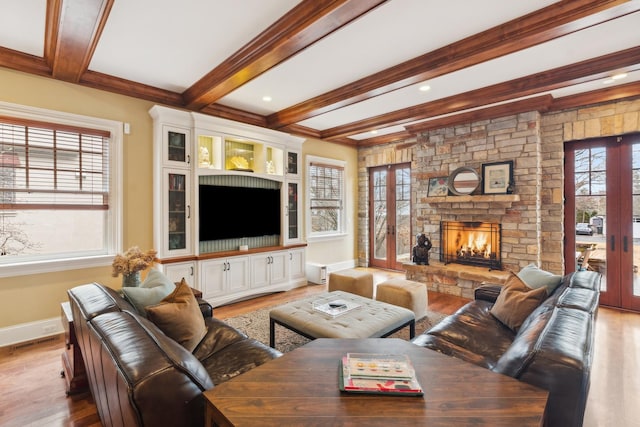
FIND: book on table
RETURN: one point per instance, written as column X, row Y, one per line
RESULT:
column 334, row 307
column 378, row 374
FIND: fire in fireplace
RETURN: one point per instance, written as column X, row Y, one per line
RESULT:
column 471, row 243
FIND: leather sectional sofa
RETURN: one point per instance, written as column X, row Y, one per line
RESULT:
column 139, row 376
column 552, row 349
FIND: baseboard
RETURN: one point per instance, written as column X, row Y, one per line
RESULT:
column 30, row 331
column 341, row 265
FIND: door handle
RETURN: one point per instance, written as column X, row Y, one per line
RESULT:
column 625, row 244
column 613, row 243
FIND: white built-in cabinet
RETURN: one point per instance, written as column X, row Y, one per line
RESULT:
column 223, row 278
column 177, row 271
column 268, row 269
column 297, row 261
column 188, row 146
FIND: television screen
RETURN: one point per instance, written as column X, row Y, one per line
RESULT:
column 236, row 212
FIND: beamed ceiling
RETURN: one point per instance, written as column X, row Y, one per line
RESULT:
column 347, row 71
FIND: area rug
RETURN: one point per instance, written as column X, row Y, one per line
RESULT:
column 256, row 325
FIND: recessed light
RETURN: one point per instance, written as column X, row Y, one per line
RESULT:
column 424, row 88
column 374, row 131
column 613, row 78
column 266, row 98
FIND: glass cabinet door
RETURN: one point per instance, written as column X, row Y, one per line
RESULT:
column 292, row 163
column 293, row 212
column 178, row 212
column 176, row 147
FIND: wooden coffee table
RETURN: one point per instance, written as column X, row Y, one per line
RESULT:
column 301, row 389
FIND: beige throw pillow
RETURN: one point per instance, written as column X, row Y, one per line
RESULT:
column 516, row 302
column 179, row 317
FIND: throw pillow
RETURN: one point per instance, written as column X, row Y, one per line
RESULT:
column 179, row 317
column 516, row 302
column 535, row 278
column 151, row 291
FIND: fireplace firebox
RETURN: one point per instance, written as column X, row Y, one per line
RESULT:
column 471, row 243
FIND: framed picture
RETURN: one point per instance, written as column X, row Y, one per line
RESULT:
column 438, row 186
column 497, row 178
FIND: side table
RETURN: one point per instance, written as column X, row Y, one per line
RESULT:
column 72, row 363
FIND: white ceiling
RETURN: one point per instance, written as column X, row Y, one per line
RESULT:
column 171, row 44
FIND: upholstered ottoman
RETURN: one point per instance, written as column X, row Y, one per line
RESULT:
column 404, row 293
column 353, row 281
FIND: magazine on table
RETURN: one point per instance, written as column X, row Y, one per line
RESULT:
column 378, row 374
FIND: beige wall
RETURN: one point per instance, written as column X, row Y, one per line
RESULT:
column 341, row 250
column 35, row 297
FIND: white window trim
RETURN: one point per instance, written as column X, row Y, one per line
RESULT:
column 114, row 239
column 317, row 237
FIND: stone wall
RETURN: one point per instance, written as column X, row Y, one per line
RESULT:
column 533, row 225
column 439, row 152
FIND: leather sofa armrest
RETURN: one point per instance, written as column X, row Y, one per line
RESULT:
column 205, row 308
column 487, row 292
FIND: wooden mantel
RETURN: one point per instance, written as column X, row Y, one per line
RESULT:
column 491, row 198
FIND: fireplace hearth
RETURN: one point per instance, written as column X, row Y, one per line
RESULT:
column 471, row 243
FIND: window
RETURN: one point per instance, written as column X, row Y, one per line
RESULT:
column 59, row 190
column 325, row 197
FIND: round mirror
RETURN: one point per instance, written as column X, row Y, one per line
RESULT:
column 463, row 181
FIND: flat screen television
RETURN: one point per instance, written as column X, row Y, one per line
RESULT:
column 236, row 212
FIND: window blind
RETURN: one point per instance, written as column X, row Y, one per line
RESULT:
column 326, row 186
column 52, row 166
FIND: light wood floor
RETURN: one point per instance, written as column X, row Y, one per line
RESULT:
column 32, row 391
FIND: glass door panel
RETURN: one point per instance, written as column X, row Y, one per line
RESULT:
column 177, row 210
column 390, row 216
column 177, row 147
column 635, row 221
column 292, row 211
column 590, row 210
column 403, row 215
column 602, row 215
column 379, row 225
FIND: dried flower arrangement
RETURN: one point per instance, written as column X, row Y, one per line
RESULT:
column 132, row 261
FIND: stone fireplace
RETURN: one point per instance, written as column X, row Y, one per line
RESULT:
column 471, row 243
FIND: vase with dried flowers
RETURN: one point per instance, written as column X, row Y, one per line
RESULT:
column 131, row 263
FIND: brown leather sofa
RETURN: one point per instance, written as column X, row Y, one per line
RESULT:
column 140, row 377
column 553, row 349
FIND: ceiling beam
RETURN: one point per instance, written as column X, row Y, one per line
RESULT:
column 73, row 28
column 301, row 27
column 24, row 62
column 385, row 139
column 538, row 103
column 557, row 20
column 613, row 93
column 568, row 75
column 126, row 87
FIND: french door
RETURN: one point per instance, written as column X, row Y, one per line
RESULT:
column 602, row 215
column 390, row 216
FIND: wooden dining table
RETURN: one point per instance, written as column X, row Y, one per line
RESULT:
column 301, row 389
